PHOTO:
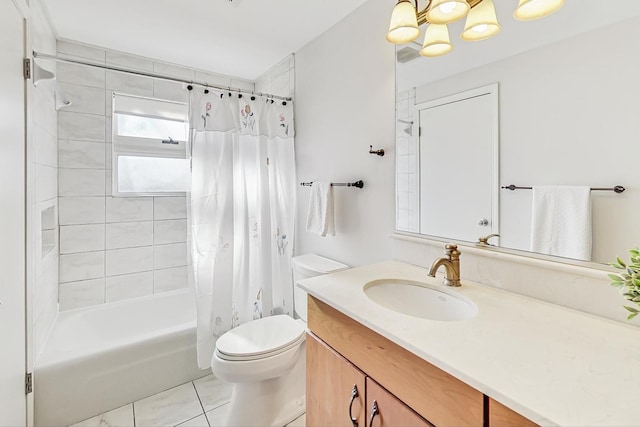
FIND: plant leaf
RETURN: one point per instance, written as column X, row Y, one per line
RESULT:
column 615, row 277
column 631, row 309
column 621, row 262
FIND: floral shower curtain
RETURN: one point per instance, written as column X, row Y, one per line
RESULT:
column 242, row 211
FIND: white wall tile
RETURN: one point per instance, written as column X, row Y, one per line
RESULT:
column 173, row 91
column 81, row 182
column 108, row 131
column 81, row 210
column 81, row 238
column 45, row 291
column 84, row 99
column 46, row 147
column 46, row 183
column 173, row 70
column 170, row 279
column 42, row 326
column 129, row 84
column 82, row 266
column 125, row 261
column 108, row 188
column 129, row 286
column 81, row 154
column 126, row 209
column 108, row 155
column 171, row 231
column 243, row 84
column 80, row 74
column 129, row 234
column 129, row 61
column 108, row 102
column 81, row 50
column 166, row 256
column 80, row 126
column 170, row 208
column 213, row 79
column 81, row 294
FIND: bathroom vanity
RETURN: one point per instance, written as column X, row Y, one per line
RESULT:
column 517, row 362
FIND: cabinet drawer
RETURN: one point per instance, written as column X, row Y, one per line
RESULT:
column 389, row 411
column 437, row 396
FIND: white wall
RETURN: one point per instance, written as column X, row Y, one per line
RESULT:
column 111, row 248
column 42, row 191
column 567, row 117
column 345, row 101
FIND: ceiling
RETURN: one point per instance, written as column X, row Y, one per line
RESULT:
column 240, row 38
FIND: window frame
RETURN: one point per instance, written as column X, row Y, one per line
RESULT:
column 129, row 146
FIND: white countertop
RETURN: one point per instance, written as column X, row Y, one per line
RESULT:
column 554, row 365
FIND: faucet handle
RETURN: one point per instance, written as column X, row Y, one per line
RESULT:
column 451, row 251
column 485, row 240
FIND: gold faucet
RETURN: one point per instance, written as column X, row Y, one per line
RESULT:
column 451, row 264
column 485, row 240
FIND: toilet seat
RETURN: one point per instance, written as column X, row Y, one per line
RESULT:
column 261, row 338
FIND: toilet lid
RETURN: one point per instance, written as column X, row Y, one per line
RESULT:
column 260, row 337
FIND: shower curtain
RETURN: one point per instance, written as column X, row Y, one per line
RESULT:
column 242, row 211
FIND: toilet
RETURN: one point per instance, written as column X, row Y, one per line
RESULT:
column 265, row 359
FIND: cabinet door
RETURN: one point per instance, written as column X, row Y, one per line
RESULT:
column 384, row 409
column 331, row 381
column 501, row 416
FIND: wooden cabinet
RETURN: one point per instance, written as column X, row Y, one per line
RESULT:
column 331, row 381
column 339, row 394
column 386, row 410
column 501, row 416
column 408, row 390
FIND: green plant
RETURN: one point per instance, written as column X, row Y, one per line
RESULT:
column 628, row 282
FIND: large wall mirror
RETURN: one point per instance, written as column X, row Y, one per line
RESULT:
column 567, row 113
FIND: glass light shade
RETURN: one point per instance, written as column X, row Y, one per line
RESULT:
column 436, row 41
column 529, row 10
column 404, row 24
column 447, row 11
column 481, row 22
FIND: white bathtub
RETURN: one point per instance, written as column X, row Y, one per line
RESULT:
column 100, row 358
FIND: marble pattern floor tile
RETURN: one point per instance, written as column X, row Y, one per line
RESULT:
column 200, row 403
column 120, row 417
column 218, row 416
column 168, row 408
column 199, row 421
column 212, row 392
column 301, row 421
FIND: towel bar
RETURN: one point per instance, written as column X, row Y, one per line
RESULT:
column 358, row 184
column 617, row 189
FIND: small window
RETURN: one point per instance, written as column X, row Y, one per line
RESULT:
column 150, row 138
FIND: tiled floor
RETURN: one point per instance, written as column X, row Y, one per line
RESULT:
column 200, row 403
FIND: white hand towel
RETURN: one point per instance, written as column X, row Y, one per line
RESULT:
column 561, row 221
column 320, row 217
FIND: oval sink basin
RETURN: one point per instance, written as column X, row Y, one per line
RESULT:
column 420, row 300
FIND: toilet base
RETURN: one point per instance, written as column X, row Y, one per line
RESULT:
column 273, row 402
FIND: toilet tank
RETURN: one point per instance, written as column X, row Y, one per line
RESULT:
column 304, row 267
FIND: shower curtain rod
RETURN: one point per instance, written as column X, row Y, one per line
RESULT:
column 38, row 55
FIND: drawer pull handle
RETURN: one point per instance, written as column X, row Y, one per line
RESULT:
column 354, row 394
column 374, row 412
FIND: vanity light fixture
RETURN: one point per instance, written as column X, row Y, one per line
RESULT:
column 481, row 22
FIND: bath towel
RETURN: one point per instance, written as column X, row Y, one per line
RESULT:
column 320, row 217
column 561, row 221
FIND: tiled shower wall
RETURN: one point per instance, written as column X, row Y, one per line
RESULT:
column 114, row 248
column 279, row 80
column 43, row 190
column 407, row 179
